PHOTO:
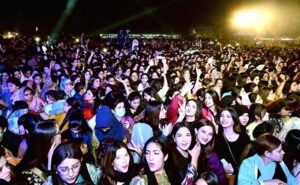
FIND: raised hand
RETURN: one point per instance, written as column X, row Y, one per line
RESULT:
column 166, row 130
column 186, row 88
column 119, row 80
column 137, row 149
column 151, row 62
column 198, row 70
column 228, row 168
column 181, row 111
column 195, row 153
column 164, row 60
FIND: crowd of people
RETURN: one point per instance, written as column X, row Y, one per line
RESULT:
column 159, row 111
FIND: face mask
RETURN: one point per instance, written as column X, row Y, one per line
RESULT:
column 120, row 112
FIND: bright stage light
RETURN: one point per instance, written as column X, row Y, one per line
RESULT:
column 37, row 39
column 104, row 50
column 255, row 20
column 77, row 40
column 10, row 35
column 245, row 18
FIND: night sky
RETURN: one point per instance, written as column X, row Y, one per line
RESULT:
column 95, row 16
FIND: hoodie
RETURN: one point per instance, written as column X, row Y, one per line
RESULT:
column 104, row 119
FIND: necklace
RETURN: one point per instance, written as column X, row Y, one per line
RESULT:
column 231, row 137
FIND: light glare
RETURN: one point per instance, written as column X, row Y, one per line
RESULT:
column 257, row 20
column 37, row 39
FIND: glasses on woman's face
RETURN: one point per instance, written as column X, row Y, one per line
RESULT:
column 66, row 170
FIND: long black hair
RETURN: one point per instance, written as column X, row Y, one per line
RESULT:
column 70, row 151
column 74, row 107
column 107, row 156
column 38, row 146
column 163, row 146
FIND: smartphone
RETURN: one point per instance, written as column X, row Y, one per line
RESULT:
column 224, row 162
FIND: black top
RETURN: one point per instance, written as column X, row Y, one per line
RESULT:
column 237, row 148
column 176, row 165
column 11, row 142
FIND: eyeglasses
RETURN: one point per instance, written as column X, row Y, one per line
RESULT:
column 66, row 170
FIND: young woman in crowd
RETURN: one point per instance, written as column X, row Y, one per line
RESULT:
column 134, row 77
column 116, row 102
column 67, row 86
column 67, row 167
column 292, row 157
column 231, row 140
column 108, row 118
column 102, row 76
column 218, row 86
column 35, row 104
column 50, row 96
column 267, row 95
column 149, row 95
column 290, row 86
column 179, row 158
column 7, row 176
column 37, row 84
column 70, row 106
column 95, row 83
column 155, row 154
column 144, row 83
column 266, row 166
column 117, row 164
column 92, row 103
column 155, row 114
column 243, row 113
column 192, row 111
column 78, row 128
column 258, row 113
column 4, row 86
column 34, row 165
column 86, row 76
column 205, row 134
column 133, row 104
column 211, row 107
column 8, row 98
column 207, row 178
column 27, row 124
column 281, row 115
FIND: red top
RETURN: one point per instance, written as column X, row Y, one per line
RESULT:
column 172, row 111
column 88, row 112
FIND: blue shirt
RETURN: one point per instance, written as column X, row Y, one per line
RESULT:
column 248, row 173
